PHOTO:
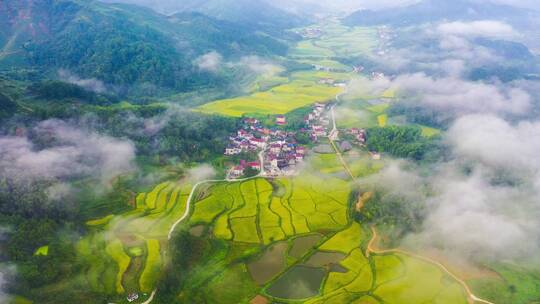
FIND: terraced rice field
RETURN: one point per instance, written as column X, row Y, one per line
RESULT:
column 251, row 212
column 125, row 251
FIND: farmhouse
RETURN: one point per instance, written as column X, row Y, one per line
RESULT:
column 254, row 165
column 232, row 150
column 273, row 162
column 318, row 130
column 237, row 171
column 275, row 148
column 132, row 297
column 281, row 120
column 258, row 142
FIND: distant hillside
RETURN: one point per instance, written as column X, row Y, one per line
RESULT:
column 121, row 45
column 259, row 14
column 437, row 10
column 7, row 106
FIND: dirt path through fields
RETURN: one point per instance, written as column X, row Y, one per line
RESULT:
column 186, row 213
column 370, row 249
column 332, row 135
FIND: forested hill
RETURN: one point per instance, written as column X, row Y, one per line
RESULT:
column 437, row 10
column 121, row 45
column 259, row 14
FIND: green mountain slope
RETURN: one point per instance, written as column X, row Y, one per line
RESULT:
column 122, row 45
column 259, row 14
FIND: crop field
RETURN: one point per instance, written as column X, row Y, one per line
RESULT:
column 350, row 41
column 301, row 91
column 308, row 49
column 382, row 120
column 43, row 251
column 125, row 251
column 326, row 163
column 328, row 64
column 429, row 132
column 251, row 212
column 362, row 166
column 388, row 277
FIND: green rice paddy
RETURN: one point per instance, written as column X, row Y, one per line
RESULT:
column 118, row 244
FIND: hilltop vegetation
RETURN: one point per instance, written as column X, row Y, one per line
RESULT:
column 128, row 48
column 7, row 106
column 260, row 14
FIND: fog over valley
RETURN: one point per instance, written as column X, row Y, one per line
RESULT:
column 257, row 151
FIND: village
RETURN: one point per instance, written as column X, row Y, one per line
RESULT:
column 278, row 151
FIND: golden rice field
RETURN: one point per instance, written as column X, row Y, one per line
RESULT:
column 302, row 91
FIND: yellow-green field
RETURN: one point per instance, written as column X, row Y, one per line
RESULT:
column 382, row 120
column 391, row 278
column 307, row 49
column 250, row 212
column 302, row 90
column 350, row 41
column 43, row 251
column 115, row 241
column 429, row 132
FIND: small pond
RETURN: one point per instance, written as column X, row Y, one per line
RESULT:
column 299, row 282
column 303, row 245
column 270, row 264
column 322, row 259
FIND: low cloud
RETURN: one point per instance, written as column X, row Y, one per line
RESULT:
column 151, row 126
column 483, row 203
column 6, row 271
column 91, row 84
column 201, row 172
column 209, row 62
column 503, row 145
column 484, row 28
column 259, row 65
column 70, row 152
column 462, row 97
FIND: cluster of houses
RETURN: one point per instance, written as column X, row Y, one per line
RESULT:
column 359, row 135
column 240, row 170
column 317, row 122
column 282, row 157
column 280, row 152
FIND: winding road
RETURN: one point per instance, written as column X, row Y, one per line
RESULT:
column 188, row 209
column 470, row 295
column 370, row 248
